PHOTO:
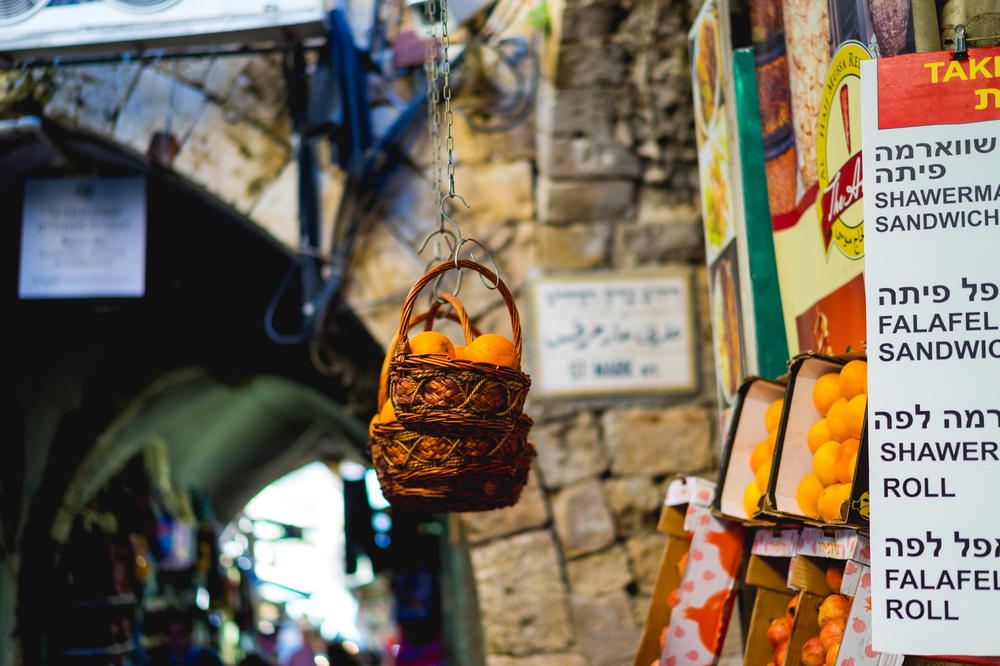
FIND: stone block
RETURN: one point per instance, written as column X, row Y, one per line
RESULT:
column 496, row 192
column 522, row 597
column 640, row 608
column 570, row 451
column 589, row 20
column 277, row 209
column 658, row 244
column 408, row 207
column 586, row 112
column 189, row 70
column 658, row 441
column 644, row 553
column 583, row 157
column 475, row 146
column 233, row 160
column 584, row 200
column 223, row 73
column 601, row 573
column 90, row 96
column 530, row 512
column 258, row 93
column 382, row 269
column 582, row 519
column 575, row 246
column 587, row 66
column 634, row 501
column 605, row 628
column 658, row 205
column 559, row 659
column 156, row 100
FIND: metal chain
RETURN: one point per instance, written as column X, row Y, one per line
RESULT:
column 453, row 238
column 446, row 93
column 433, row 103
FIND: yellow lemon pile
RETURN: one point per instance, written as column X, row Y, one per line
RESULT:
column 760, row 459
column 842, row 399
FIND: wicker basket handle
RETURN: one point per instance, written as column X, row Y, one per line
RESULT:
column 457, row 314
column 515, row 319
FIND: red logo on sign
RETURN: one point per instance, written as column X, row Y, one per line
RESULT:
column 843, row 190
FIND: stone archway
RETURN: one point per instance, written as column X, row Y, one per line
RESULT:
column 600, row 176
column 192, row 349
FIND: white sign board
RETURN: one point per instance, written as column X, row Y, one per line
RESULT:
column 83, row 238
column 614, row 333
column 932, row 278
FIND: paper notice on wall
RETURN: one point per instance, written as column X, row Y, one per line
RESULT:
column 83, row 238
column 932, row 204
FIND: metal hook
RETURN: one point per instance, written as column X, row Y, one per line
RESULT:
column 452, row 240
column 496, row 267
column 445, row 216
column 961, row 50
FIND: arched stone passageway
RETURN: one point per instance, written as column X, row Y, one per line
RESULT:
column 600, row 175
column 188, row 365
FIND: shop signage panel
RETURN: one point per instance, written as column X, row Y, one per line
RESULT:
column 83, row 238
column 932, row 277
column 616, row 333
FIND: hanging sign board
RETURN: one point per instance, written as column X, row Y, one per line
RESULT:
column 931, row 144
column 617, row 333
column 83, row 238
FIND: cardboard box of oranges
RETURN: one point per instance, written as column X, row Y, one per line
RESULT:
column 817, row 476
column 772, row 616
column 748, row 454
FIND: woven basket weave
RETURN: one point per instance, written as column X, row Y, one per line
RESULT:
column 440, row 395
column 477, row 471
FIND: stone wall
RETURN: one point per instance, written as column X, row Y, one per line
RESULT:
column 601, row 176
column 564, row 577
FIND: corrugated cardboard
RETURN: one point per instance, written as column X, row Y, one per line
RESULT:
column 768, row 575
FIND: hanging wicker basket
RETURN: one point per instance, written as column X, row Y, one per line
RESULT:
column 478, row 470
column 446, row 396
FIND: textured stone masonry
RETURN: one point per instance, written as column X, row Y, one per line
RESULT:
column 602, row 175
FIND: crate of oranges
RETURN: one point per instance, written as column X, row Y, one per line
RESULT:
column 447, row 453
column 748, row 455
column 821, row 440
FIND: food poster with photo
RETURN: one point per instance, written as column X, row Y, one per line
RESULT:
column 710, row 54
column 819, row 241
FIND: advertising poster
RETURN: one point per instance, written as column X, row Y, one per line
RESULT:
column 932, row 206
column 816, row 153
column 710, row 53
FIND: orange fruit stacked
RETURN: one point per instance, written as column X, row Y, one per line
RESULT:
column 779, row 632
column 822, row 649
column 760, row 459
column 488, row 348
column 842, row 398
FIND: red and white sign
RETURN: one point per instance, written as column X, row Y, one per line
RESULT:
column 931, row 146
column 935, row 89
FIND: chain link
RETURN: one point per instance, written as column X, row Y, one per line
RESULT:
column 433, row 102
column 454, row 239
column 446, row 93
